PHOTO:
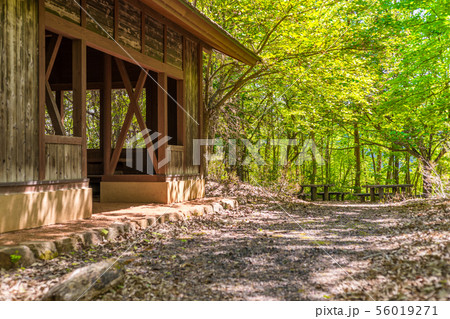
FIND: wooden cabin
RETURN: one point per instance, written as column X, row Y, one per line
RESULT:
column 54, row 55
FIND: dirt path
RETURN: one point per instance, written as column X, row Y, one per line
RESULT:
column 274, row 250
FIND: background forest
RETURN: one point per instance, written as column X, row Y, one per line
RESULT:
column 366, row 82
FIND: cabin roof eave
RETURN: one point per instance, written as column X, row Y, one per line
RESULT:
column 191, row 19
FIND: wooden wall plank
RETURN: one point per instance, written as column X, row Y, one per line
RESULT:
column 41, row 94
column 3, row 85
column 21, row 92
column 11, row 91
column 174, row 48
column 101, row 17
column 129, row 25
column 154, row 38
column 68, row 10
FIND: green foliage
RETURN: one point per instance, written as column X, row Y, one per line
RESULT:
column 15, row 258
column 327, row 67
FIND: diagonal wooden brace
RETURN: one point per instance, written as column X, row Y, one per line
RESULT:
column 133, row 109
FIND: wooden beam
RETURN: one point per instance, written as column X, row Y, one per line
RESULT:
column 152, row 104
column 89, row 86
column 105, row 114
column 133, row 109
column 96, row 41
column 162, row 119
column 53, row 111
column 134, row 97
column 67, row 140
column 79, row 97
column 42, row 89
column 51, row 54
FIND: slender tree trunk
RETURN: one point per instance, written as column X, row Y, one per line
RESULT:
column 389, row 169
column 407, row 167
column 396, row 170
column 314, row 163
column 357, row 152
column 327, row 160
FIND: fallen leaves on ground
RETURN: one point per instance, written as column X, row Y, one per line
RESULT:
column 275, row 247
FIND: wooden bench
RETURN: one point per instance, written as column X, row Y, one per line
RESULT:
column 339, row 195
column 362, row 196
column 302, row 196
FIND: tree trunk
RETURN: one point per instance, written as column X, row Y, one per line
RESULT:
column 396, row 170
column 427, row 176
column 389, row 169
column 357, row 185
column 407, row 173
column 314, row 163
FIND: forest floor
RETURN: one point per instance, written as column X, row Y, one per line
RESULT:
column 273, row 248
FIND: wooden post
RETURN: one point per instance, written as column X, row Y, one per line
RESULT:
column 180, row 113
column 326, row 195
column 372, row 194
column 42, row 69
column 105, row 114
column 151, row 111
column 79, row 97
column 313, row 193
column 381, row 192
column 201, row 110
column 162, row 119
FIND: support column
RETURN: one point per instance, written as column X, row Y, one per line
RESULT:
column 201, row 109
column 162, row 119
column 105, row 114
column 42, row 68
column 79, row 97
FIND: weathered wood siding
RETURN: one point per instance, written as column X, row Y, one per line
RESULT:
column 175, row 166
column 63, row 162
column 100, row 17
column 191, row 102
column 67, row 9
column 174, row 48
column 136, row 27
column 18, row 91
column 154, row 38
column 129, row 25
